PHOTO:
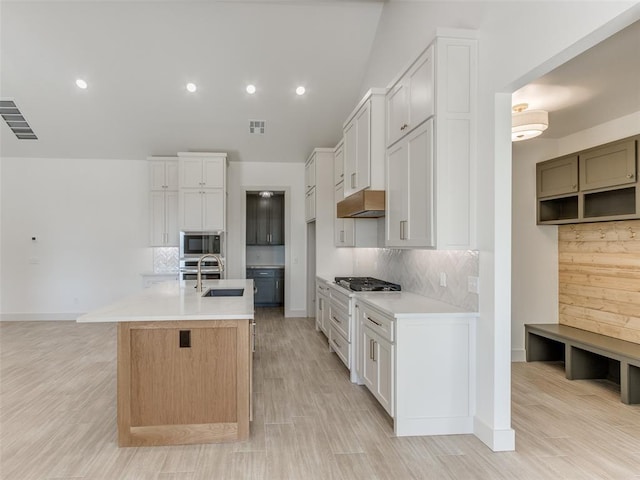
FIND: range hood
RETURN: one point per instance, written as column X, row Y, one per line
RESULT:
column 362, row 204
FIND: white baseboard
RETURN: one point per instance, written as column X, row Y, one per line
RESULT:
column 295, row 313
column 496, row 440
column 519, row 355
column 38, row 317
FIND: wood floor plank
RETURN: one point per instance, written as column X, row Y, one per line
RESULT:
column 58, row 419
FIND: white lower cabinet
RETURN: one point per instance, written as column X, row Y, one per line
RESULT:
column 419, row 366
column 342, row 335
column 322, row 306
column 377, row 355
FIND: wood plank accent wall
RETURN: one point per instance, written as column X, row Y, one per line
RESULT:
column 599, row 278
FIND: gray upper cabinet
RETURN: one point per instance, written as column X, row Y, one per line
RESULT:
column 265, row 219
column 607, row 166
column 557, row 177
column 594, row 185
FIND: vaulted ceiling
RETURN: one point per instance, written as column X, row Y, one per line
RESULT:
column 137, row 58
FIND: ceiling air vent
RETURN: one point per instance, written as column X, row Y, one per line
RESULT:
column 256, row 127
column 16, row 121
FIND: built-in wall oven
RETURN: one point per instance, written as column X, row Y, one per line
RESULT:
column 194, row 245
column 189, row 269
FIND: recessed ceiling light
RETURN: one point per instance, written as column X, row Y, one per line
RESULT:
column 191, row 87
column 251, row 89
column 300, row 90
column 81, row 83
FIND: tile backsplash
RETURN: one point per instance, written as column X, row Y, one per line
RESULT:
column 418, row 271
column 166, row 259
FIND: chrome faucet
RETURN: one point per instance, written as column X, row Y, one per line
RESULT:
column 199, row 276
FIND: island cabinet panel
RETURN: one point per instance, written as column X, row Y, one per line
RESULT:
column 183, row 382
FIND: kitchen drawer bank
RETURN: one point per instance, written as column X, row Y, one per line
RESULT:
column 416, row 356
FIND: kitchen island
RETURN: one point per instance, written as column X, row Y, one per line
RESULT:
column 184, row 362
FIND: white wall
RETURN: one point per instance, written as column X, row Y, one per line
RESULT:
column 535, row 247
column 287, row 177
column 90, row 221
column 534, row 279
column 519, row 41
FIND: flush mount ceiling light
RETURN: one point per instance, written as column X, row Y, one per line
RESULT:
column 251, row 89
column 80, row 83
column 300, row 90
column 526, row 124
column 191, row 87
column 266, row 194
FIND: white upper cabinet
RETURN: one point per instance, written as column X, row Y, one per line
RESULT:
column 163, row 202
column 431, row 155
column 364, row 145
column 202, row 193
column 198, row 172
column 163, row 173
column 411, row 100
column 410, row 192
column 310, row 173
column 338, row 164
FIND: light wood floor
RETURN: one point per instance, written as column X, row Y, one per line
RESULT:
column 58, row 419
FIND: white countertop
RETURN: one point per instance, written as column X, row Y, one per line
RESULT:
column 265, row 266
column 178, row 301
column 410, row 305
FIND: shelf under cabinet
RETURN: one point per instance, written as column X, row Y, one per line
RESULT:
column 557, row 209
column 610, row 203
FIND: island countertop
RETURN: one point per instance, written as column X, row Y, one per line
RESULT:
column 170, row 301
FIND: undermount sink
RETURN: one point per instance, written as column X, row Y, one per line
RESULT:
column 224, row 292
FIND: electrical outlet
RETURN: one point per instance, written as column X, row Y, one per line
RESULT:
column 443, row 279
column 473, row 284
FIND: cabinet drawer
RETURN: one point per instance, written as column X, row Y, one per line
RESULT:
column 340, row 320
column 377, row 322
column 340, row 299
column 341, row 346
column 261, row 273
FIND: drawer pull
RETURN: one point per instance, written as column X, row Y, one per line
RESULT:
column 336, row 343
column 374, row 322
column 336, row 320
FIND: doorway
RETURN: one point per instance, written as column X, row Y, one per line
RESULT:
column 265, row 246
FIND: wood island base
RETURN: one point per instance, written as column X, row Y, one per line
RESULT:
column 183, row 382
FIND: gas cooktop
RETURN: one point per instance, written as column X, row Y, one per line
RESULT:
column 367, row 284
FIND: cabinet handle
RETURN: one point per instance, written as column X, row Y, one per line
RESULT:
column 629, row 175
column 342, row 175
column 277, row 283
column 404, row 126
column 374, row 351
column 335, row 319
column 353, row 180
column 574, row 186
column 336, row 343
column 371, row 348
column 341, row 236
column 374, row 322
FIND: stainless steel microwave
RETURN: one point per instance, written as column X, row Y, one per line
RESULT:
column 196, row 244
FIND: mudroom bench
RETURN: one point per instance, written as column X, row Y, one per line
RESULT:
column 587, row 355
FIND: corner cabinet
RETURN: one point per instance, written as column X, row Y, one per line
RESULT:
column 430, row 156
column 163, row 202
column 598, row 184
column 202, row 192
column 364, row 144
